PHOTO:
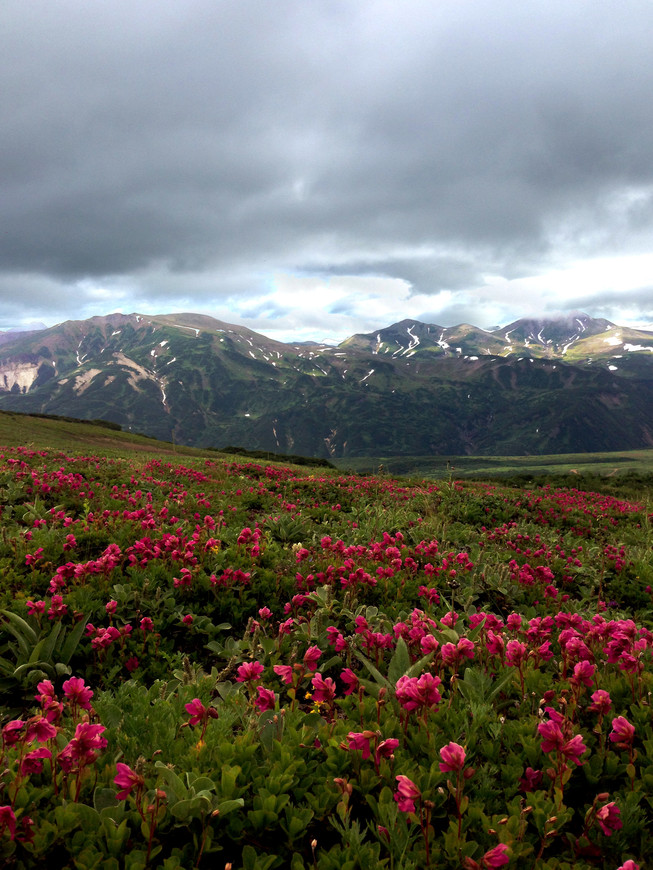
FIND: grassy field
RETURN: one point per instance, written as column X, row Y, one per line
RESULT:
column 25, row 430
column 639, row 462
column 209, row 661
column 67, row 434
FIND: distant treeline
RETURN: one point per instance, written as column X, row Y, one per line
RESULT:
column 275, row 457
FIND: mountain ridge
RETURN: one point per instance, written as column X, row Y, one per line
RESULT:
column 546, row 385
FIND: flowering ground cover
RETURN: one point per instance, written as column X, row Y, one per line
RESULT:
column 228, row 663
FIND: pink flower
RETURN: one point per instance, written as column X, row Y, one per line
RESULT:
column 531, row 780
column 285, row 672
column 12, row 732
column 311, row 657
column 40, row 729
column 196, row 710
column 574, row 748
column 629, row 865
column 623, row 733
column 497, row 857
column 406, row 795
column 46, row 691
column 428, row 644
column 188, row 619
column 449, row 619
column 111, row 606
column 265, row 613
column 126, row 780
column 57, row 607
column 385, row 749
column 146, row 624
column 324, row 690
column 609, row 819
column 84, row 746
column 35, row 608
column 583, row 674
column 249, row 671
column 552, row 737
column 361, row 741
column 8, row 820
column 453, row 758
column 418, row 692
column 77, row 693
column 336, row 638
column 513, row 622
column 266, row 699
column 495, row 643
column 516, row 653
column 601, row 702
column 350, row 679
column 33, row 761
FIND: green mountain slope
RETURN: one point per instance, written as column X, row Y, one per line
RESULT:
column 410, row 389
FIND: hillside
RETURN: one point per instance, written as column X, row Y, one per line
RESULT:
column 566, row 385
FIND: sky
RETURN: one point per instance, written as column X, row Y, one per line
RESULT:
column 316, row 168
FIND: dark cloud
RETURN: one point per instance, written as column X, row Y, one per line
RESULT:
column 187, row 152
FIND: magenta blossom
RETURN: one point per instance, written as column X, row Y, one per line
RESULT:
column 84, row 746
column 249, row 672
column 623, row 733
column 496, row 857
column 453, row 758
column 77, row 693
column 350, row 679
column 531, row 780
column 8, row 821
column 406, row 795
column 12, row 732
column 40, row 729
column 324, row 690
column 601, row 702
column 583, row 674
column 311, row 657
column 385, row 749
column 609, row 818
column 33, row 761
column 126, row 780
column 266, row 699
column 285, row 672
column 196, row 710
column 361, row 741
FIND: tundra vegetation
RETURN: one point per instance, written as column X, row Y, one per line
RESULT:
column 212, row 661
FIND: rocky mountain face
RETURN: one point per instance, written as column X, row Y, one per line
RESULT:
column 535, row 386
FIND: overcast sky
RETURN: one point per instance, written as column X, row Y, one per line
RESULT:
column 315, row 168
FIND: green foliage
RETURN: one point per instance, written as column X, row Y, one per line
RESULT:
column 218, row 609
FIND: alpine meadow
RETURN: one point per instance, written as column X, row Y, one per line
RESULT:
column 214, row 661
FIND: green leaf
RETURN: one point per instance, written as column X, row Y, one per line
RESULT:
column 72, row 641
column 49, row 642
column 226, row 807
column 400, row 661
column 186, row 809
column 173, row 782
column 378, row 676
column 24, row 633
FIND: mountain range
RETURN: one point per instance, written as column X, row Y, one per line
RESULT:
column 567, row 384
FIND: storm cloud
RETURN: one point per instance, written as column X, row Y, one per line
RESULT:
column 250, row 159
